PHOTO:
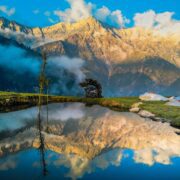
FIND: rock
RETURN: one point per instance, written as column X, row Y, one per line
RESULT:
column 146, row 114
column 136, row 105
column 157, row 119
column 135, row 109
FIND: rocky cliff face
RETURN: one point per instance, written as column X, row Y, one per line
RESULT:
column 128, row 59
column 92, row 39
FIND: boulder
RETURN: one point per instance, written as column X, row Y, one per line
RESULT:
column 146, row 114
column 135, row 109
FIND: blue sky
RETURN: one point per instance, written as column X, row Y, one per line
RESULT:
column 31, row 12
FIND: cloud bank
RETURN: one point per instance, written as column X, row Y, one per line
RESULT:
column 114, row 18
column 22, row 38
column 72, row 65
column 15, row 59
column 79, row 9
column 65, row 74
column 162, row 22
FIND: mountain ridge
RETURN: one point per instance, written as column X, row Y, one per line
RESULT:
column 125, row 61
column 109, row 44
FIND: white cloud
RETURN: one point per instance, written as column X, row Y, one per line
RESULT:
column 78, row 10
column 114, row 18
column 7, row 11
column 118, row 19
column 102, row 13
column 36, row 11
column 145, row 19
column 72, row 65
column 162, row 22
column 47, row 13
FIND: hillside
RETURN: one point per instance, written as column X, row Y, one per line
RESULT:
column 126, row 61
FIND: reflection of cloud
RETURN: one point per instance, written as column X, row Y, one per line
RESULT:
column 10, row 163
column 64, row 112
column 59, row 112
column 110, row 158
column 151, row 156
column 76, row 164
column 144, row 156
column 79, row 165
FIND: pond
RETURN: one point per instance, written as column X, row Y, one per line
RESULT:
column 75, row 141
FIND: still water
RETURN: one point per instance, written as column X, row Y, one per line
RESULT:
column 81, row 142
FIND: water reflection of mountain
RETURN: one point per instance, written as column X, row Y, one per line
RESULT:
column 85, row 135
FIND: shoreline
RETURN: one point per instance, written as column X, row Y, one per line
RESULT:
column 154, row 110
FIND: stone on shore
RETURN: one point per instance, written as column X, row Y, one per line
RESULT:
column 146, row 114
column 135, row 110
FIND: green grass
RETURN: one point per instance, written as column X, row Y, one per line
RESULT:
column 119, row 102
column 170, row 113
column 160, row 109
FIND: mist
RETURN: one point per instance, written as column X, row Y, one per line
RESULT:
column 20, row 71
column 65, row 75
column 26, row 39
column 15, row 59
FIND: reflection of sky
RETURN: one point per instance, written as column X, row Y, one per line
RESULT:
column 116, row 164
column 17, row 119
column 58, row 112
column 156, row 144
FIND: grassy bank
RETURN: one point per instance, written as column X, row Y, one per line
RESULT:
column 8, row 99
column 11, row 101
column 159, row 108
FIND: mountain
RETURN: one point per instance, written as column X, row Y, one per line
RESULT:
column 126, row 61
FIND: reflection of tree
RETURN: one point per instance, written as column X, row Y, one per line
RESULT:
column 42, row 148
column 42, row 83
column 47, row 107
